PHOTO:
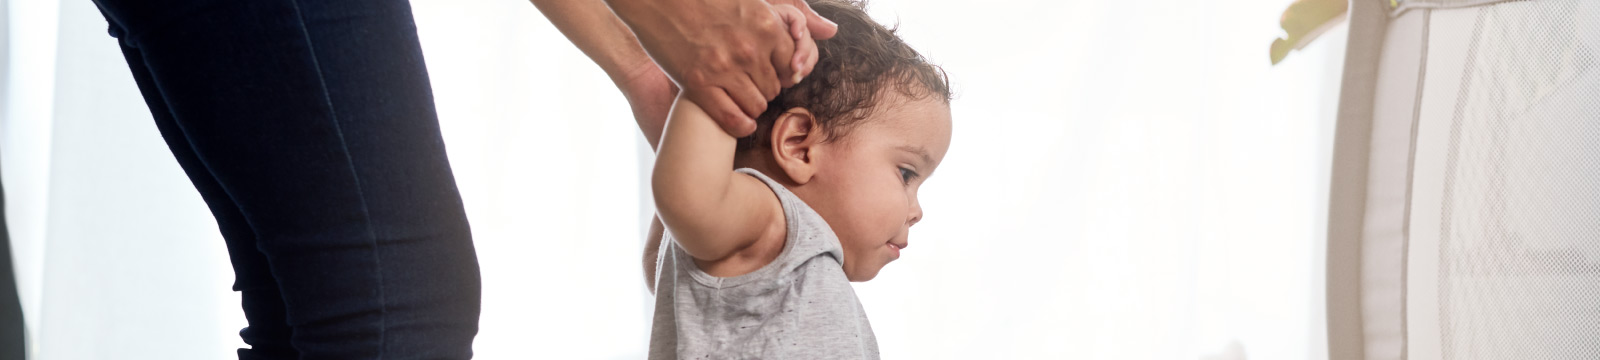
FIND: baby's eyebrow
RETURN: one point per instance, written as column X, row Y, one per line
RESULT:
column 919, row 151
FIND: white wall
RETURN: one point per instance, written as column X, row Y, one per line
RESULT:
column 1127, row 180
column 25, row 139
column 546, row 154
column 128, row 264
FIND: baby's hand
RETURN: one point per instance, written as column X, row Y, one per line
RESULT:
column 805, row 48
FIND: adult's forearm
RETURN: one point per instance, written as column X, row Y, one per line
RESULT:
column 598, row 32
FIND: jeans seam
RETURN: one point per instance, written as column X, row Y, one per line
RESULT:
column 322, row 82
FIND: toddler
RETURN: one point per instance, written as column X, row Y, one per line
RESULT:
column 764, row 234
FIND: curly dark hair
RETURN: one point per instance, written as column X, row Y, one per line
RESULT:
column 854, row 69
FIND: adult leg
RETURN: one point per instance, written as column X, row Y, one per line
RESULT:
column 315, row 119
column 268, row 332
column 12, row 338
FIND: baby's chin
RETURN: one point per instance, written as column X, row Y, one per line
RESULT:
column 862, row 275
column 861, row 278
column 876, row 257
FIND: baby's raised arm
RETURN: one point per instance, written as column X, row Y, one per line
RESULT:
column 711, row 211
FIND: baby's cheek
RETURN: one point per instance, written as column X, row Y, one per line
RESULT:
column 870, row 207
column 891, row 208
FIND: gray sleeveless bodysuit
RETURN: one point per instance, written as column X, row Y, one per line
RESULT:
column 800, row 306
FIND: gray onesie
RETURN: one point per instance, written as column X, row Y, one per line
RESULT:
column 800, row 306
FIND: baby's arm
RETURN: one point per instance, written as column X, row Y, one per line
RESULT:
column 711, row 210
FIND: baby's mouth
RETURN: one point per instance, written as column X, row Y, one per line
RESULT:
column 895, row 248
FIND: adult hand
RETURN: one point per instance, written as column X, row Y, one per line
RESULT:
column 728, row 56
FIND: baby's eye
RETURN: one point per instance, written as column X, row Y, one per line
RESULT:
column 906, row 175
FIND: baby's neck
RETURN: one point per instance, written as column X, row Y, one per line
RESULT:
column 761, row 161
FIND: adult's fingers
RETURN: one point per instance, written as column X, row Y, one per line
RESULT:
column 766, row 78
column 805, row 56
column 792, row 67
column 821, row 28
column 744, row 93
column 755, row 59
column 723, row 110
column 784, row 46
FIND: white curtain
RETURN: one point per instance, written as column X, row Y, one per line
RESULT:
column 1127, row 180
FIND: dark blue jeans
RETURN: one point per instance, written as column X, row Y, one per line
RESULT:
column 12, row 339
column 309, row 128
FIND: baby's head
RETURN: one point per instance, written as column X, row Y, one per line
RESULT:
column 858, row 136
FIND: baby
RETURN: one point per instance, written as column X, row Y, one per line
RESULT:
column 764, row 234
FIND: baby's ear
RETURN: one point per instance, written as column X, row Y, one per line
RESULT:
column 795, row 136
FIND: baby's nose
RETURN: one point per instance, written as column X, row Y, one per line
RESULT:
column 916, row 213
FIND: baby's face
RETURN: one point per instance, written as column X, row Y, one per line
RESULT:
column 866, row 182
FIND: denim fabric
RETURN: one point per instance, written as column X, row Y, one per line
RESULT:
column 309, row 128
column 12, row 338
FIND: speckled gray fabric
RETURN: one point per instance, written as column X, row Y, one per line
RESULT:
column 800, row 306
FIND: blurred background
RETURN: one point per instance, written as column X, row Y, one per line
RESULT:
column 1127, row 180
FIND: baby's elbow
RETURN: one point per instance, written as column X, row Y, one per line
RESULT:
column 658, row 193
column 674, row 205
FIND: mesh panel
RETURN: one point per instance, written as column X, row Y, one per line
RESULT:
column 1445, row 3
column 1519, row 242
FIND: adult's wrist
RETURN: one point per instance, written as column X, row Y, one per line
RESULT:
column 628, row 9
column 635, row 75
